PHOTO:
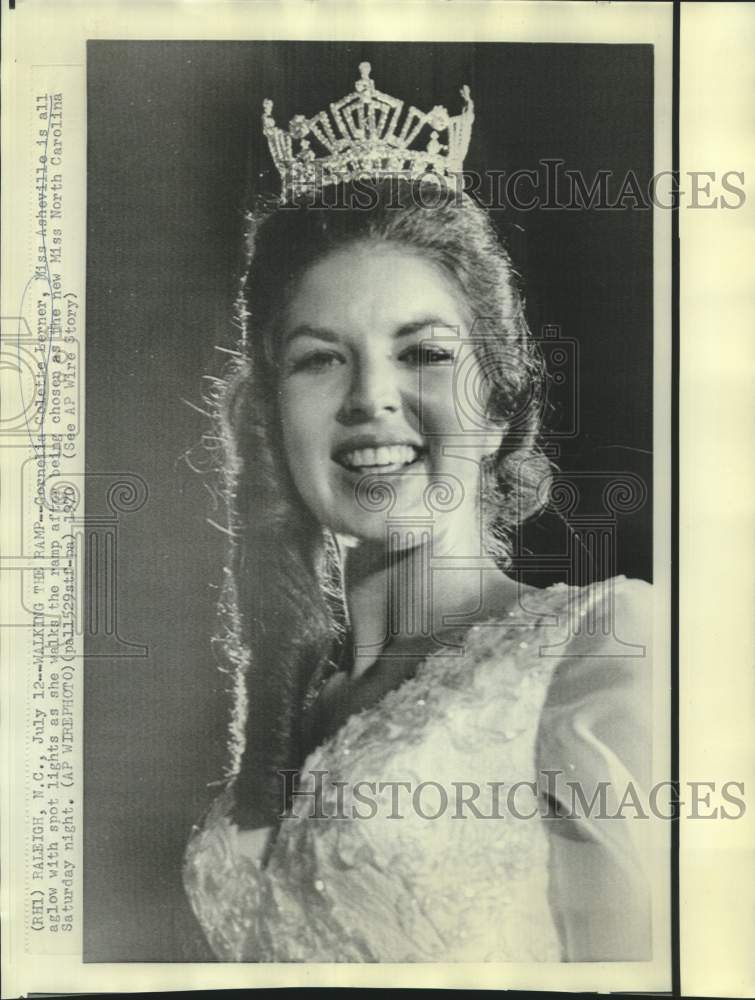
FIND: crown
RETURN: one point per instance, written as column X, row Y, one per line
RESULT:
column 365, row 137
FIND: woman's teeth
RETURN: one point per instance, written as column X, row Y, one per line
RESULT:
column 384, row 456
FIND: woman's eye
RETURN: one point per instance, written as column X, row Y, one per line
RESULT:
column 316, row 361
column 428, row 354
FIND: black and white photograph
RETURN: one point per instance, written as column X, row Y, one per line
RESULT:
column 376, row 496
column 374, row 366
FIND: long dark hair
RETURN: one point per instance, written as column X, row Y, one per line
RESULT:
column 281, row 605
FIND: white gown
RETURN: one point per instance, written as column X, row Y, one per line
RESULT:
column 551, row 688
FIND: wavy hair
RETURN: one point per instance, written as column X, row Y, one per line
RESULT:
column 282, row 608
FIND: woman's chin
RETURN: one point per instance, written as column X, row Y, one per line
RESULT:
column 397, row 534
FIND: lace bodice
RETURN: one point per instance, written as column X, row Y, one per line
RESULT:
column 404, row 863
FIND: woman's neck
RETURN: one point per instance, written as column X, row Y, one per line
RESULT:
column 399, row 602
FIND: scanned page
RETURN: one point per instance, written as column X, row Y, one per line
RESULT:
column 192, row 394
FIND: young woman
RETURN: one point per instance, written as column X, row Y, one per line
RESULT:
column 381, row 424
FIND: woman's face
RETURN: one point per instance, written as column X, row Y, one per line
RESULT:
column 373, row 341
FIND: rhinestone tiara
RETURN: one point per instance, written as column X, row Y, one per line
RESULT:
column 364, row 138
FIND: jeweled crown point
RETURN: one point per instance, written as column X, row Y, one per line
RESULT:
column 366, row 135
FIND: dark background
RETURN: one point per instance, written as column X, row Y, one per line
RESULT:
column 175, row 155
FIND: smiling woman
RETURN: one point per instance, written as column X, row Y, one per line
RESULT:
column 381, row 426
column 365, row 390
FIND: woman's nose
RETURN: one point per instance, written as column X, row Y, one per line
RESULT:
column 372, row 391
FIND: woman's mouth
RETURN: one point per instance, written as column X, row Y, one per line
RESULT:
column 382, row 458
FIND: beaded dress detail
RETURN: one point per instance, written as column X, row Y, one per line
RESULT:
column 394, row 870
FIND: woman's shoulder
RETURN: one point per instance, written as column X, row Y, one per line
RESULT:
column 599, row 700
column 564, row 650
column 594, row 759
column 584, row 654
column 510, row 598
column 605, row 624
column 628, row 594
column 610, row 616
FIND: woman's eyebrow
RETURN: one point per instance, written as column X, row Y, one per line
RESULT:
column 325, row 333
column 407, row 329
column 305, row 330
